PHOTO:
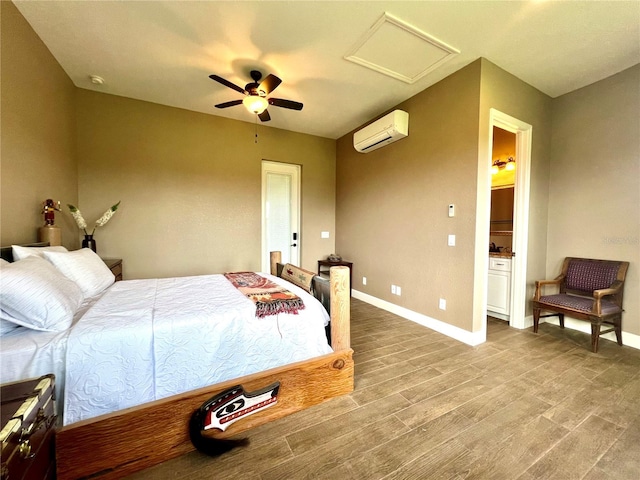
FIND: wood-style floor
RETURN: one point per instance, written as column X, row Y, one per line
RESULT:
column 520, row 406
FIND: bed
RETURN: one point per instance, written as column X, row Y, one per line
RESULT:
column 118, row 424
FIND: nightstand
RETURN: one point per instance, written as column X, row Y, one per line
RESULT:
column 115, row 265
column 342, row 263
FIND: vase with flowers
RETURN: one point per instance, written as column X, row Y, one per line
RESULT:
column 88, row 241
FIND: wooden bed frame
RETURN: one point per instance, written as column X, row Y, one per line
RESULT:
column 123, row 442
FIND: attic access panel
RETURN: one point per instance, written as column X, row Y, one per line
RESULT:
column 400, row 50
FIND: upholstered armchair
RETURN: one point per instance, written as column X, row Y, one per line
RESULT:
column 589, row 290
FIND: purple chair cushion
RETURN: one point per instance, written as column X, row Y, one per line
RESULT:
column 580, row 304
column 587, row 276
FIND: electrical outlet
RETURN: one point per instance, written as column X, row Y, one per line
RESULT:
column 442, row 304
column 451, row 240
column 324, row 234
column 398, row 291
column 393, row 289
column 364, row 280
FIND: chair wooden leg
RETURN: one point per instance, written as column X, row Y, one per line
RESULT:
column 617, row 324
column 536, row 319
column 595, row 336
column 561, row 318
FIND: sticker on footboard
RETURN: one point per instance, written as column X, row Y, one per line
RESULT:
column 234, row 404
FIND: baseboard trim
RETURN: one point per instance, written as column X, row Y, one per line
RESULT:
column 457, row 333
column 499, row 316
column 628, row 339
column 476, row 338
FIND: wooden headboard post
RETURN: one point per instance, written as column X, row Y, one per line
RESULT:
column 275, row 258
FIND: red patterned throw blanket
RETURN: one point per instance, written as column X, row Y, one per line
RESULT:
column 269, row 297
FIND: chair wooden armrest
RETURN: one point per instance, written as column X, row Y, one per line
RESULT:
column 604, row 292
column 612, row 290
column 542, row 283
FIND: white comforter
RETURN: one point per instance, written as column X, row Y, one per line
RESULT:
column 148, row 339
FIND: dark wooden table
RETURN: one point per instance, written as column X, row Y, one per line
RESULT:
column 115, row 265
column 341, row 263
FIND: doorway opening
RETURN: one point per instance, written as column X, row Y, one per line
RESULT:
column 517, row 283
column 503, row 177
column 280, row 212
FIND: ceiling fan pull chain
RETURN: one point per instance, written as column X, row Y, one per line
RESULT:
column 256, row 140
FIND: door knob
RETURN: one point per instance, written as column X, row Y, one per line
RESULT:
column 294, row 244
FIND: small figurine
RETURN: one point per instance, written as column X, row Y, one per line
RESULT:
column 49, row 211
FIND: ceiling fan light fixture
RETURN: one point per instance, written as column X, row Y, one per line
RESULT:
column 255, row 95
column 255, row 103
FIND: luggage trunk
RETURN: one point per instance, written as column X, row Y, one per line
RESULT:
column 28, row 428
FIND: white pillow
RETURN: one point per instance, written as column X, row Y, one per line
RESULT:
column 20, row 253
column 85, row 268
column 7, row 326
column 35, row 295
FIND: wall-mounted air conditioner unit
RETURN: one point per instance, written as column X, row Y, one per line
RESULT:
column 388, row 129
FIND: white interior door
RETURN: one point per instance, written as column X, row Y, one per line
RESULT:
column 280, row 212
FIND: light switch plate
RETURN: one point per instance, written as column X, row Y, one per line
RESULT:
column 324, row 234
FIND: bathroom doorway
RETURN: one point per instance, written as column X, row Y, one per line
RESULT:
column 503, row 170
column 520, row 229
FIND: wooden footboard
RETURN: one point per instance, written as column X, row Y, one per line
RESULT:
column 121, row 443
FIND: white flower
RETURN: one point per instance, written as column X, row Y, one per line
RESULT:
column 106, row 216
column 77, row 216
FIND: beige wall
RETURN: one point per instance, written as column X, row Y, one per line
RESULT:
column 38, row 134
column 190, row 186
column 509, row 95
column 189, row 183
column 594, row 186
column 392, row 203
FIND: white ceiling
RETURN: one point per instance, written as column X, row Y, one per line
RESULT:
column 164, row 51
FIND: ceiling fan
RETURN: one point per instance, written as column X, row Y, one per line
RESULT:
column 256, row 92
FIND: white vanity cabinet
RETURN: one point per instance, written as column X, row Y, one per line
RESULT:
column 499, row 287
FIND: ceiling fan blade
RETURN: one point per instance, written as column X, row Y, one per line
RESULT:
column 269, row 84
column 227, row 83
column 264, row 116
column 280, row 102
column 232, row 103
